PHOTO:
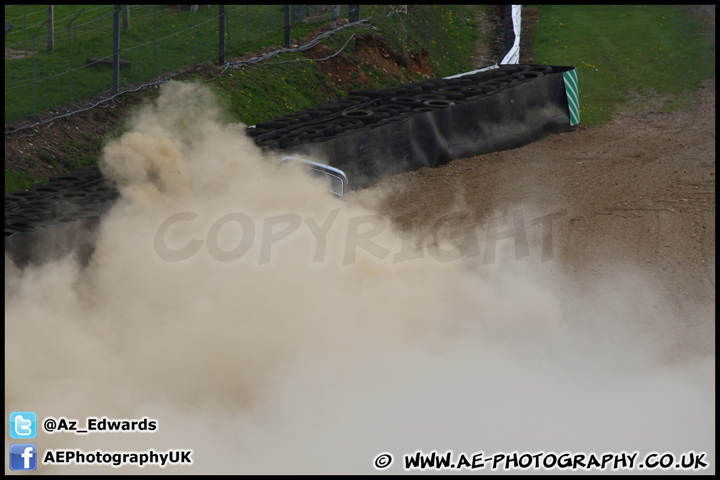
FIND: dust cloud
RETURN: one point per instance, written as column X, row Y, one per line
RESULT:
column 274, row 328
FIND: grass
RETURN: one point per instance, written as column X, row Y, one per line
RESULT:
column 649, row 50
column 446, row 32
column 263, row 92
column 259, row 93
column 157, row 41
column 16, row 181
column 625, row 52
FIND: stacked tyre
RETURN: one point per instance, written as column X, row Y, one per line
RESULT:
column 84, row 194
column 365, row 109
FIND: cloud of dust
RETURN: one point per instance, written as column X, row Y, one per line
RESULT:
column 315, row 361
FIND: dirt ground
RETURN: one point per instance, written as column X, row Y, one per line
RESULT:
column 638, row 193
column 635, row 197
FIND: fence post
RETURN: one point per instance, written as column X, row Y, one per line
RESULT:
column 116, row 50
column 221, row 30
column 126, row 17
column 287, row 26
column 335, row 13
column 194, row 34
column 51, row 28
column 353, row 13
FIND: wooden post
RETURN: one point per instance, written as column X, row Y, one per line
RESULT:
column 126, row 17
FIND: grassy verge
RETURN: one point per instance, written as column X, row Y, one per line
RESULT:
column 623, row 52
column 16, row 181
column 156, row 41
column 290, row 82
column 259, row 93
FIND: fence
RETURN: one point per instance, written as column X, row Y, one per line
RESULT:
column 60, row 59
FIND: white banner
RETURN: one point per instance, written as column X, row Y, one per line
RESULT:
column 513, row 56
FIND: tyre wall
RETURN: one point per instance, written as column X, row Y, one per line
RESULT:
column 370, row 134
column 506, row 117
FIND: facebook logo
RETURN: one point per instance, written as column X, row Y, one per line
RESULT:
column 23, row 456
column 23, row 425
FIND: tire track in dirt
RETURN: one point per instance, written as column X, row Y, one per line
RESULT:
column 638, row 197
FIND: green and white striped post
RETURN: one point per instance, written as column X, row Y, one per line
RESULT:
column 573, row 95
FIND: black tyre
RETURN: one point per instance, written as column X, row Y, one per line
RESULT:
column 27, row 194
column 479, row 77
column 254, row 132
column 437, row 104
column 454, row 92
column 365, row 116
column 20, row 226
column 411, row 89
column 344, row 105
column 91, row 173
column 59, row 184
column 331, row 107
column 500, row 82
column 381, row 114
column 373, row 94
column 47, row 203
column 330, row 130
column 526, row 76
column 25, row 217
column 301, row 117
column 75, row 180
column 318, row 113
column 497, row 73
column 430, row 96
column 355, row 99
column 475, row 91
column 75, row 215
column 102, row 197
column 347, row 123
column 398, row 107
column 265, row 141
column 424, row 109
column 508, row 69
column 438, row 82
column 411, row 102
column 544, row 69
column 104, row 187
column 387, row 111
column 74, row 197
column 50, row 190
column 42, row 214
column 306, row 133
column 95, row 207
column 288, row 142
column 425, row 86
column 276, row 124
column 14, row 201
column 457, row 82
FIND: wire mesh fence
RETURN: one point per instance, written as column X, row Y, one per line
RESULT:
column 60, row 58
